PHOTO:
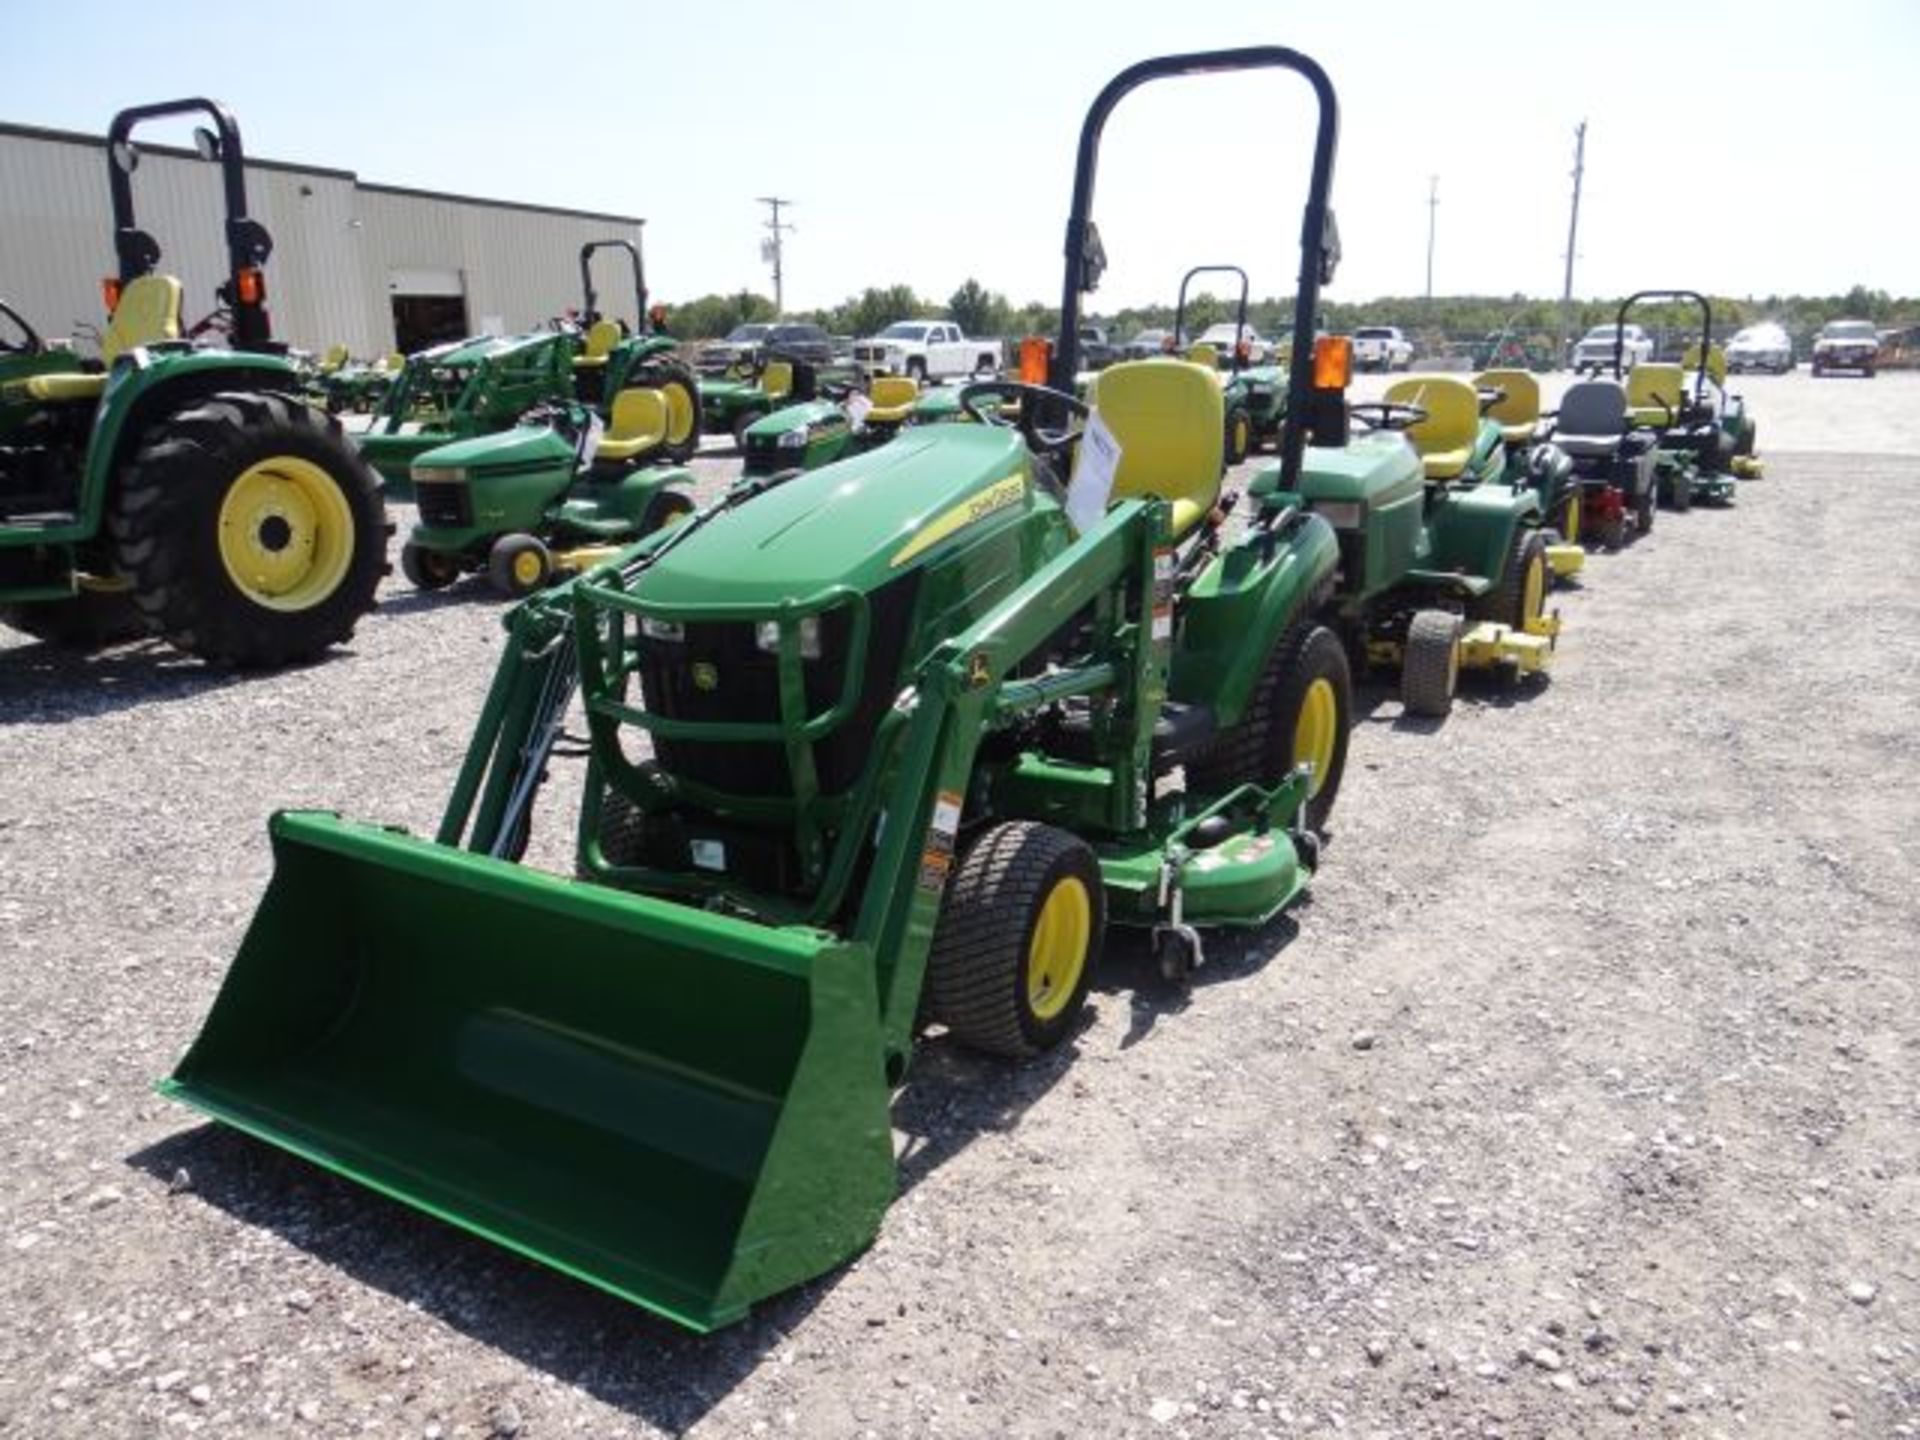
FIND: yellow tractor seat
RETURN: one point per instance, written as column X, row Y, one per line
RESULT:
column 1655, row 394
column 393, row 362
column 1445, row 438
column 1518, row 410
column 148, row 312
column 892, row 397
column 1203, row 354
column 1170, row 420
column 66, row 385
column 601, row 338
column 1716, row 363
column 638, row 424
column 777, row 379
column 335, row 357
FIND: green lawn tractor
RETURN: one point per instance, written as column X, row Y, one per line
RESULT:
column 1443, row 568
column 551, row 496
column 1705, row 438
column 842, row 421
column 753, row 389
column 880, row 745
column 1510, row 404
column 179, row 488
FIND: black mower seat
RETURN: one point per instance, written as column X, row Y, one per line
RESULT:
column 1593, row 419
column 148, row 312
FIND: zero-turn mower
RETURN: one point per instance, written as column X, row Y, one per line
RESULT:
column 892, row 742
column 180, row 488
column 1612, row 461
column 1705, row 437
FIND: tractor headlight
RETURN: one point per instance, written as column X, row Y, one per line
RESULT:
column 792, row 440
column 433, row 475
column 1341, row 514
column 670, row 630
column 766, row 635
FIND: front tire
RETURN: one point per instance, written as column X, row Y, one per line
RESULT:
column 428, row 569
column 518, row 565
column 1301, row 712
column 1019, row 934
column 1430, row 663
column 1239, row 436
column 253, row 534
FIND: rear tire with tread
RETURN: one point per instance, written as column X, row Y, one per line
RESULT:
column 1506, row 603
column 165, row 515
column 1261, row 748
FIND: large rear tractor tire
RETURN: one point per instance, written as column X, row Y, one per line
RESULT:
column 1430, row 663
column 1301, row 712
column 91, row 620
column 680, row 388
column 1019, row 934
column 1521, row 595
column 252, row 533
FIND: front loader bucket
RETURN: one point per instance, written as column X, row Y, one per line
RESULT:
column 682, row 1108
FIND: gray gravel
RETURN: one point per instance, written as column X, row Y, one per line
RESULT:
column 1632, row 1146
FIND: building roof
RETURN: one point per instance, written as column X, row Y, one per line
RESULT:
column 254, row 162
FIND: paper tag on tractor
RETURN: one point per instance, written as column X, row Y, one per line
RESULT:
column 1094, row 466
column 857, row 407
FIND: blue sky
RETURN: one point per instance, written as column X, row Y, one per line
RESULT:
column 926, row 143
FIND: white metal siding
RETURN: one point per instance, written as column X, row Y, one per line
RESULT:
column 336, row 245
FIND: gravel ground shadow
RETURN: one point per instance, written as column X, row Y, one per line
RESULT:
column 581, row 1337
column 46, row 684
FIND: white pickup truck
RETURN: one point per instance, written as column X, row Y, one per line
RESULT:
column 1381, row 347
column 926, row 350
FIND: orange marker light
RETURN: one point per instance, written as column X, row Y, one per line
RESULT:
column 1036, row 358
column 1332, row 362
column 251, row 286
column 110, row 292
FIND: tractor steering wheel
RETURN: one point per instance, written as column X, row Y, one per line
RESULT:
column 1046, row 442
column 1387, row 414
column 29, row 342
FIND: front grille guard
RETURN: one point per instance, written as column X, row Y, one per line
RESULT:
column 608, row 665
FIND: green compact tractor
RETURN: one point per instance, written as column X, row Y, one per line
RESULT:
column 1705, row 437
column 177, row 488
column 753, row 389
column 1255, row 395
column 483, row 385
column 843, row 421
column 887, row 743
column 551, row 496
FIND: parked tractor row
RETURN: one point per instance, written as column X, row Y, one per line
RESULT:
column 947, row 688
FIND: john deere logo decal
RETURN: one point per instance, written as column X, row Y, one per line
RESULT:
column 705, row 676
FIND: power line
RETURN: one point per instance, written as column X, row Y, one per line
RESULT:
column 770, row 249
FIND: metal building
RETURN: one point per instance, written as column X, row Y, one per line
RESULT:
column 373, row 267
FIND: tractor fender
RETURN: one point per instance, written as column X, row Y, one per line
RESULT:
column 1240, row 605
column 1470, row 531
column 146, row 386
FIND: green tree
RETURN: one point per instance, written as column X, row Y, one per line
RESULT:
column 874, row 309
column 977, row 310
column 710, row 316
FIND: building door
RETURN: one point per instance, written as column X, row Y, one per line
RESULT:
column 429, row 308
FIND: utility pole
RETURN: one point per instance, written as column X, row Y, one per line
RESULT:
column 770, row 249
column 1433, row 207
column 1573, row 233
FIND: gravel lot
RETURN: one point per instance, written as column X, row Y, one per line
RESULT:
column 1581, row 1100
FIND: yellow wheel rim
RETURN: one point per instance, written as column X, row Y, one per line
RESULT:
column 286, row 533
column 1534, row 599
column 526, row 569
column 1315, row 730
column 1057, row 951
column 1570, row 531
column 679, row 413
column 1242, row 436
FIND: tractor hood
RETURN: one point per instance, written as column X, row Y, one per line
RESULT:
column 519, row 449
column 859, row 522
